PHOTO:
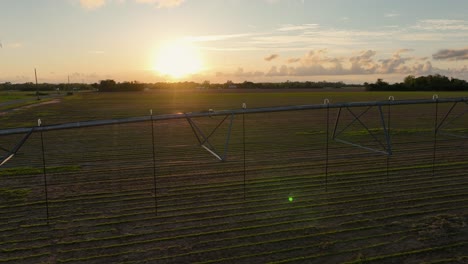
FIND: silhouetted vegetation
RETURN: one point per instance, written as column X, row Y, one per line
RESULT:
column 250, row 85
column 112, row 86
column 423, row 83
column 42, row 87
column 410, row 83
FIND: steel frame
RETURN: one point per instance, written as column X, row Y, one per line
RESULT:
column 204, row 140
column 12, row 153
column 443, row 125
column 387, row 148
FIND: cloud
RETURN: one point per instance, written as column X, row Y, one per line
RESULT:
column 395, row 64
column 294, row 60
column 240, row 73
column 290, row 27
column 287, row 39
column 441, row 24
column 95, row 4
column 281, row 71
column 162, row 3
column 216, row 37
column 404, row 51
column 314, row 62
column 271, row 57
column 92, row 4
column 451, row 54
column 318, row 56
column 319, row 63
column 278, row 1
column 249, row 74
column 363, row 63
column 390, row 15
column 14, row 45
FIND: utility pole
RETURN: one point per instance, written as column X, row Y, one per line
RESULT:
column 37, row 87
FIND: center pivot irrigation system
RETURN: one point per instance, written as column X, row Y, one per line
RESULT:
column 384, row 146
column 229, row 115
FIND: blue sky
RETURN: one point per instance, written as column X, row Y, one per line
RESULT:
column 255, row 40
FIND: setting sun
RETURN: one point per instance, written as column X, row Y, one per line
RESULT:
column 178, row 59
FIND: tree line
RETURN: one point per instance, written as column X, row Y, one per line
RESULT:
column 42, row 87
column 435, row 82
column 110, row 85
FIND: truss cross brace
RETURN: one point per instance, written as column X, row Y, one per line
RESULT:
column 445, row 122
column 13, row 152
column 387, row 146
column 204, row 140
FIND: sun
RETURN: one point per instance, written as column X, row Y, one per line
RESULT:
column 178, row 59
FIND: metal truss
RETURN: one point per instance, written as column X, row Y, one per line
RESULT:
column 445, row 123
column 11, row 153
column 387, row 145
column 204, row 140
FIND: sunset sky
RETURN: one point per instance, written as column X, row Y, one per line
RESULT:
column 218, row 40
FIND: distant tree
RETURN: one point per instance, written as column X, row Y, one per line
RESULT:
column 107, row 85
column 206, row 84
column 5, row 86
column 435, row 82
column 409, row 81
column 379, row 85
column 229, row 84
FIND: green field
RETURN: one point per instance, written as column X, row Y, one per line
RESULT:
column 6, row 96
column 91, row 106
column 289, row 205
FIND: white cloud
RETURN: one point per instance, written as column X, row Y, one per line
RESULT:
column 162, row 3
column 363, row 63
column 441, row 24
column 395, row 64
column 316, row 37
column 241, row 73
column 277, row 1
column 92, row 4
column 215, row 37
column 319, row 63
column 290, row 27
column 14, row 45
column 391, row 15
column 403, row 51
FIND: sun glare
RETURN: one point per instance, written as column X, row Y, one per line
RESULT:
column 178, row 59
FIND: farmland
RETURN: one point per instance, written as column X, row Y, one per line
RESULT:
column 148, row 193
